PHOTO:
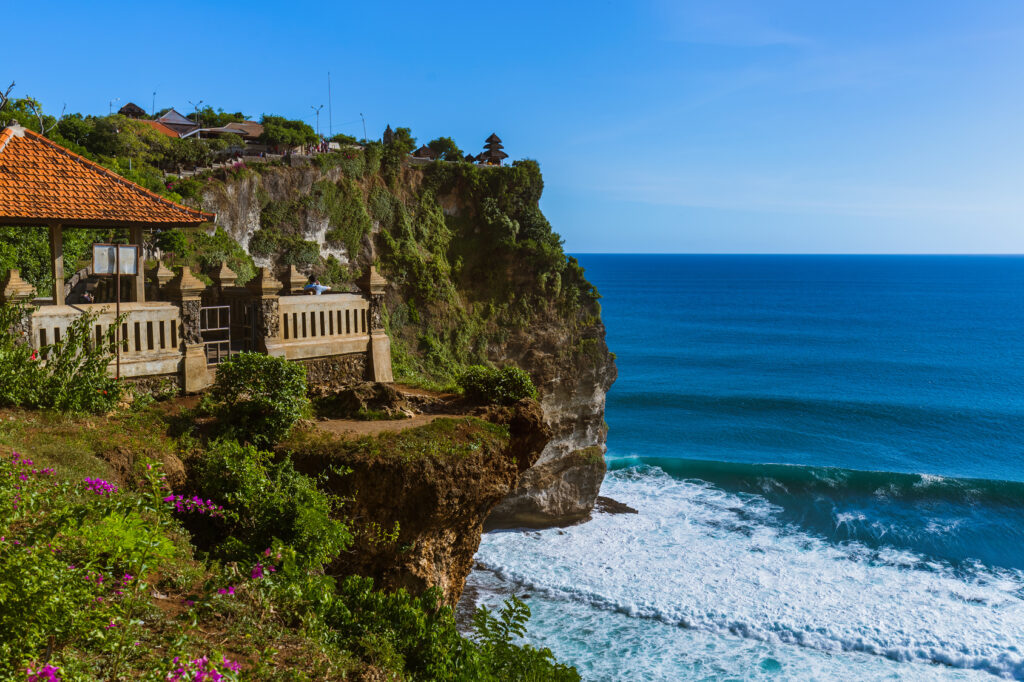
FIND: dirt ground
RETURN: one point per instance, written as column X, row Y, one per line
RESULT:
column 426, row 406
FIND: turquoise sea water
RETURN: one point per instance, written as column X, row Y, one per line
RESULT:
column 828, row 460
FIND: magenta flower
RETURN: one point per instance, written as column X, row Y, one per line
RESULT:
column 100, row 487
column 194, row 504
column 230, row 591
column 48, row 673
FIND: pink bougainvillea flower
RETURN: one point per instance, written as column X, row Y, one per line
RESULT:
column 47, row 673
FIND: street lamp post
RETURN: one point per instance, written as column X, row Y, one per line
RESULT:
column 110, row 105
column 316, row 110
column 195, row 112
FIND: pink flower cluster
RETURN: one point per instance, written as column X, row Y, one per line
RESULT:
column 259, row 570
column 100, row 487
column 201, row 669
column 25, row 465
column 47, row 673
column 194, row 504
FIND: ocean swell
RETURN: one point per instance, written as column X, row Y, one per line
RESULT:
column 702, row 556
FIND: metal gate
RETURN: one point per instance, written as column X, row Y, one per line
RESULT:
column 215, row 326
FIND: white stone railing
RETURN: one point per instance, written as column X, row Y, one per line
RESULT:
column 150, row 333
column 321, row 326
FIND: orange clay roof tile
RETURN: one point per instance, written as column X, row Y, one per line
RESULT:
column 42, row 182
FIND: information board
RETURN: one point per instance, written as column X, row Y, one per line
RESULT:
column 104, row 259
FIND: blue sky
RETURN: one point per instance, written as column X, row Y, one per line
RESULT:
column 720, row 126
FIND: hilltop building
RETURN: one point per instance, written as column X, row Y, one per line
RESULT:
column 132, row 110
column 492, row 154
column 176, row 122
column 425, row 152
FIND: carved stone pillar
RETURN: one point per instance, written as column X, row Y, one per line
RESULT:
column 266, row 316
column 15, row 290
column 294, row 281
column 373, row 286
column 159, row 276
column 186, row 291
column 225, row 278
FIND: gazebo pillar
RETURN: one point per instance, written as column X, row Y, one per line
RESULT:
column 139, row 287
column 57, row 257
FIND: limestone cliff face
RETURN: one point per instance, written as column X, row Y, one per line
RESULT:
column 475, row 276
column 562, row 486
column 417, row 518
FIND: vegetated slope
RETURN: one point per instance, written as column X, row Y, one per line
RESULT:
column 111, row 573
column 476, row 275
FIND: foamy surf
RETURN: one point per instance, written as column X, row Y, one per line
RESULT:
column 700, row 567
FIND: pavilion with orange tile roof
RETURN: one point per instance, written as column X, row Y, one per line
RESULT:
column 45, row 184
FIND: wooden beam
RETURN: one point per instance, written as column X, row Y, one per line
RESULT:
column 57, row 257
column 139, row 289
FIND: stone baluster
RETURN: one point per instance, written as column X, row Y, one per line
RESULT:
column 266, row 311
column 224, row 278
column 294, row 281
column 17, row 291
column 159, row 276
column 186, row 291
column 374, row 286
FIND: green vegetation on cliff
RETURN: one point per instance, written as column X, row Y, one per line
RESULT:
column 144, row 545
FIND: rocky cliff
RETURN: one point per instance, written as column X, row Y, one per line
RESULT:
column 417, row 500
column 476, row 276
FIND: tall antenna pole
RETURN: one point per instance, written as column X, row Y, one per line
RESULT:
column 154, row 103
column 330, row 107
column 364, row 126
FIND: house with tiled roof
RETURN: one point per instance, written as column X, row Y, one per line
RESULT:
column 160, row 127
column 176, row 122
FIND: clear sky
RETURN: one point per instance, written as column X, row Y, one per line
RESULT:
column 755, row 126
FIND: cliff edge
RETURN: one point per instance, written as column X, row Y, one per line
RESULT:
column 476, row 276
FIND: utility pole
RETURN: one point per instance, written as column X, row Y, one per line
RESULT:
column 110, row 105
column 364, row 126
column 195, row 112
column 154, row 104
column 330, row 107
column 317, row 111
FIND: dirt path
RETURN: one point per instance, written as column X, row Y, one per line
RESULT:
column 356, row 428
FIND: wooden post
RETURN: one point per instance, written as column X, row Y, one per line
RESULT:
column 57, row 256
column 139, row 289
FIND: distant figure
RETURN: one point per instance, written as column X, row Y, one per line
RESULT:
column 87, row 297
column 314, row 286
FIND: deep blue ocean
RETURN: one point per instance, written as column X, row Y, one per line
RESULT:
column 827, row 455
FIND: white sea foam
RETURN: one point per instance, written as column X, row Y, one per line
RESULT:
column 721, row 565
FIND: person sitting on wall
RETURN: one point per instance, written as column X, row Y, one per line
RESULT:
column 314, row 286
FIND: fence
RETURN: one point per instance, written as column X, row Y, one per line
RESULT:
column 150, row 333
column 317, row 326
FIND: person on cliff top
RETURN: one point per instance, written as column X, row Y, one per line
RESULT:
column 314, row 286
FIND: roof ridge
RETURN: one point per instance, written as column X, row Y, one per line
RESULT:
column 106, row 171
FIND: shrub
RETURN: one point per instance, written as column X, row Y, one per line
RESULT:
column 264, row 500
column 503, row 386
column 259, row 397
column 70, row 375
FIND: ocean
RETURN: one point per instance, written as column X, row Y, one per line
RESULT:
column 827, row 457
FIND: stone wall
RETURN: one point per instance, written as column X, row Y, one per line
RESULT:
column 335, row 371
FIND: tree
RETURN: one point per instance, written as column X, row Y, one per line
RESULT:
column 218, row 118
column 279, row 131
column 445, row 148
column 402, row 140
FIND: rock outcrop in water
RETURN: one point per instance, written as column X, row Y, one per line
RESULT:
column 476, row 275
